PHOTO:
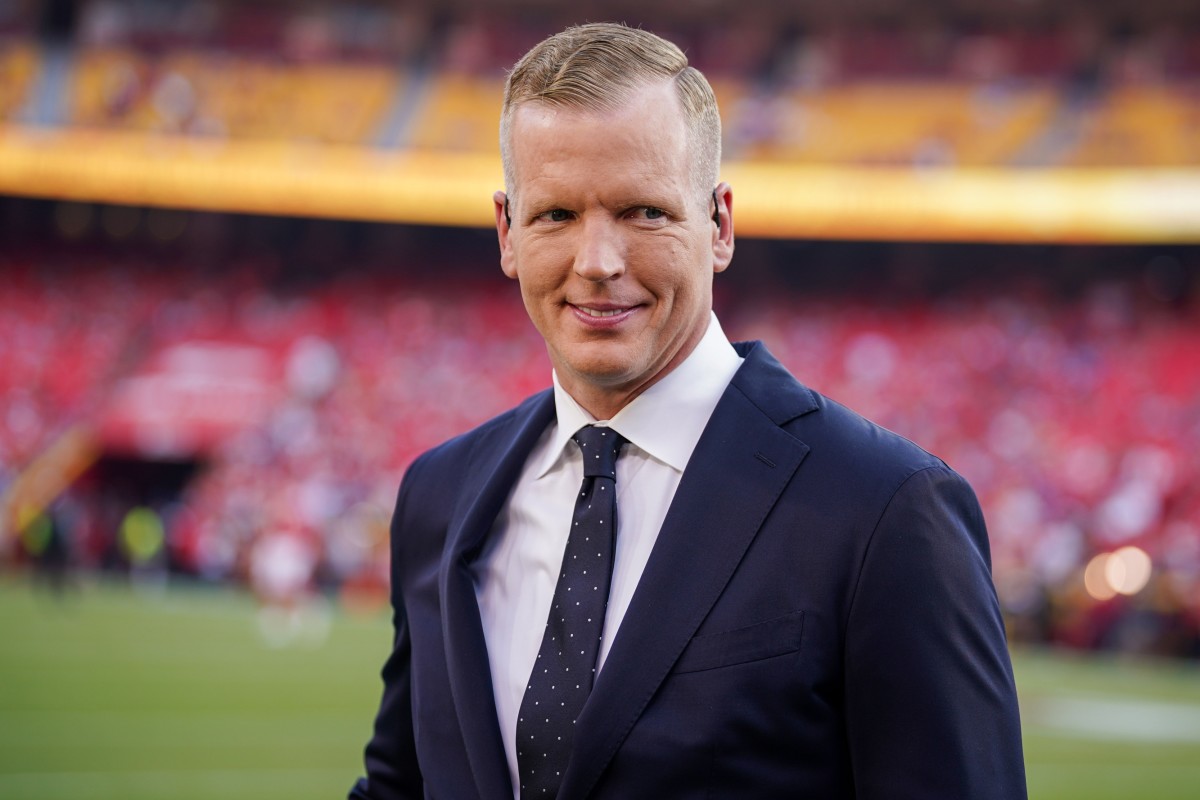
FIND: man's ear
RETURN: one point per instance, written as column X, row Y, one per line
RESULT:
column 504, row 232
column 723, row 232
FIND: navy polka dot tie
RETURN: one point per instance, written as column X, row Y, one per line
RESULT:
column 566, row 664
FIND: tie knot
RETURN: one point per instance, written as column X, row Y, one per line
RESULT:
column 599, row 447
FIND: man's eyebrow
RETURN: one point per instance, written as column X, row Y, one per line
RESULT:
column 539, row 205
column 534, row 204
column 649, row 198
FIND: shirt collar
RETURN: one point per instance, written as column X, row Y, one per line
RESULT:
column 666, row 420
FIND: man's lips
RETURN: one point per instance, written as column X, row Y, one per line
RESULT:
column 602, row 313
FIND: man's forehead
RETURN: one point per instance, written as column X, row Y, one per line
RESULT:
column 645, row 138
column 548, row 164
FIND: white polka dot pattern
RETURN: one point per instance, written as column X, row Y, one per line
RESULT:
column 566, row 663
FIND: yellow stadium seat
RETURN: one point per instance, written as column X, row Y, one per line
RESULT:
column 18, row 69
column 1146, row 126
column 460, row 113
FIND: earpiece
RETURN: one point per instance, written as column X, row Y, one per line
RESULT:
column 507, row 216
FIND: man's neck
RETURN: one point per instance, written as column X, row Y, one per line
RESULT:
column 604, row 401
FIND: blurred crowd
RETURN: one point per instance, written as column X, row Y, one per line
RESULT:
column 1065, row 384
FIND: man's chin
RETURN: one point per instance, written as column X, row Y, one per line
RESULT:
column 602, row 376
column 600, row 372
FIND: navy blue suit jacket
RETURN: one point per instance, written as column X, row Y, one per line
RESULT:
column 817, row 620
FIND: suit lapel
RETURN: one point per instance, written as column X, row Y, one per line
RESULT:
column 494, row 467
column 740, row 467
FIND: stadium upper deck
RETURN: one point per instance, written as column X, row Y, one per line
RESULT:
column 887, row 89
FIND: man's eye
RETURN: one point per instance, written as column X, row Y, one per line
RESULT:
column 556, row 215
column 651, row 212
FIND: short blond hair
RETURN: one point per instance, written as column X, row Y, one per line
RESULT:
column 598, row 66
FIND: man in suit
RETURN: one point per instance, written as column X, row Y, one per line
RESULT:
column 800, row 602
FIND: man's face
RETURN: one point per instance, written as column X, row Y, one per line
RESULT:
column 612, row 242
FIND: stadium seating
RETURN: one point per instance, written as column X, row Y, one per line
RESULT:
column 218, row 94
column 461, row 112
column 18, row 67
column 864, row 97
column 896, row 124
column 1145, row 125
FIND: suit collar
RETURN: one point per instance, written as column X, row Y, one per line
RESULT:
column 667, row 420
column 770, row 387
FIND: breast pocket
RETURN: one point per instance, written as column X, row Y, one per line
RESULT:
column 762, row 640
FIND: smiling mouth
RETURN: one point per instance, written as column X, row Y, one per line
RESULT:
column 595, row 312
column 601, row 316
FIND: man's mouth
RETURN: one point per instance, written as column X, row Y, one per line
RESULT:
column 597, row 312
column 602, row 315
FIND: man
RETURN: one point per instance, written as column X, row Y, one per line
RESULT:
column 800, row 603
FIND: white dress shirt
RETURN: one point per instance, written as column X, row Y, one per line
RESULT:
column 517, row 573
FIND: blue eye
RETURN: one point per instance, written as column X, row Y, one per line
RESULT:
column 654, row 213
column 558, row 215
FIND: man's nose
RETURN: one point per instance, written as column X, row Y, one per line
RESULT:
column 600, row 253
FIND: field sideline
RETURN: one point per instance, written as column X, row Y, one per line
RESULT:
column 119, row 694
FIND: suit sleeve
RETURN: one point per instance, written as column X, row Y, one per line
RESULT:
column 930, row 700
column 390, row 757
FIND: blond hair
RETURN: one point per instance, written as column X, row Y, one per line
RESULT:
column 598, row 67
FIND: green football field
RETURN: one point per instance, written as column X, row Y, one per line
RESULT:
column 178, row 694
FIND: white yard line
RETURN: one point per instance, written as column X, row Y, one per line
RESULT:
column 1114, row 719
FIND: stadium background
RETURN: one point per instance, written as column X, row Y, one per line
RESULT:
column 245, row 267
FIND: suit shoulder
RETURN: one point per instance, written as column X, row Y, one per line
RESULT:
column 838, row 437
column 863, row 452
column 856, row 430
